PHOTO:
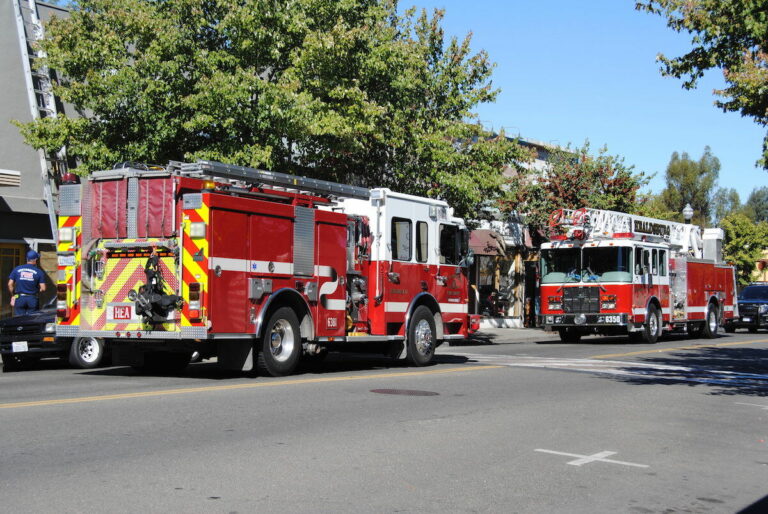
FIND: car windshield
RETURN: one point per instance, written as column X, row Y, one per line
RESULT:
column 755, row 293
column 609, row 264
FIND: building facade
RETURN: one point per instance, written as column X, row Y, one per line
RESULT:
column 27, row 217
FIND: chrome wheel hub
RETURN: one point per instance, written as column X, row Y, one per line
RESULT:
column 87, row 348
column 423, row 337
column 282, row 341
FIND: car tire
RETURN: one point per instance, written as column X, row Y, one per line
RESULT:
column 422, row 338
column 652, row 325
column 711, row 322
column 281, row 346
column 13, row 363
column 86, row 352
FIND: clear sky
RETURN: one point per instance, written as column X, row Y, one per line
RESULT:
column 571, row 71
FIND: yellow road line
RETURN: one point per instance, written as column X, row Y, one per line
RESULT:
column 663, row 350
column 249, row 385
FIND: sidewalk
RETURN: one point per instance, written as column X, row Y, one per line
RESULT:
column 494, row 335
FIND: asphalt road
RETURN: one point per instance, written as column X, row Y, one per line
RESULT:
column 513, row 421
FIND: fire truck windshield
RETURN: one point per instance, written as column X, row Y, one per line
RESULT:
column 601, row 264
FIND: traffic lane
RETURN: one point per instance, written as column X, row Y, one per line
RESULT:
column 56, row 382
column 308, row 447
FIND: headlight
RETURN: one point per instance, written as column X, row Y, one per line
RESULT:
column 763, row 309
column 50, row 327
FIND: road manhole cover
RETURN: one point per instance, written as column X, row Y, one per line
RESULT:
column 405, row 392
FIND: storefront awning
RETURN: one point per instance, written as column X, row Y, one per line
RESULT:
column 486, row 242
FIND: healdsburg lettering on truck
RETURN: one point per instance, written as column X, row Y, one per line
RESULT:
column 649, row 227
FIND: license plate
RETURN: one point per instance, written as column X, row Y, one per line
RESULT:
column 66, row 260
column 19, row 347
column 746, row 320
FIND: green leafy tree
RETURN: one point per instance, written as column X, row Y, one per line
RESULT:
column 575, row 179
column 691, row 182
column 345, row 90
column 731, row 35
column 724, row 202
column 744, row 243
column 756, row 206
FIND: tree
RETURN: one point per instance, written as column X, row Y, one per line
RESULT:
column 691, row 182
column 724, row 202
column 744, row 243
column 731, row 35
column 345, row 90
column 575, row 179
column 757, row 204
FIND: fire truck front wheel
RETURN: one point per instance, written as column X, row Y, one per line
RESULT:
column 421, row 337
column 652, row 326
column 281, row 344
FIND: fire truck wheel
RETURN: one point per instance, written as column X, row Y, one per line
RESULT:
column 421, row 337
column 281, row 345
column 711, row 323
column 569, row 335
column 86, row 352
column 652, row 327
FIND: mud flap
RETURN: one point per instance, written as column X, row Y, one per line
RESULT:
column 236, row 355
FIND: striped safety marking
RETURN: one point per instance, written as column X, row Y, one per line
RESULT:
column 195, row 261
column 70, row 274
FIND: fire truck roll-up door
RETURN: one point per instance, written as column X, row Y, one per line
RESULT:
column 137, row 206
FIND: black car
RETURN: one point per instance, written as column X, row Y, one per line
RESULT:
column 753, row 307
column 26, row 339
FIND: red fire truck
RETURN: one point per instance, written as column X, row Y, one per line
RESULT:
column 608, row 272
column 252, row 266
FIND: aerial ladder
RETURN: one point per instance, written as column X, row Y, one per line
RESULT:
column 683, row 238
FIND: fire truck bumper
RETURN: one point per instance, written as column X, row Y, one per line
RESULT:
column 554, row 321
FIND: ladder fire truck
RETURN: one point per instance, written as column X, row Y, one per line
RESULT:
column 256, row 268
column 608, row 273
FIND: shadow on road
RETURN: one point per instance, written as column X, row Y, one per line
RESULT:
column 335, row 363
column 728, row 371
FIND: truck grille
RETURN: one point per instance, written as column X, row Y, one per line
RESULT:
column 748, row 309
column 581, row 299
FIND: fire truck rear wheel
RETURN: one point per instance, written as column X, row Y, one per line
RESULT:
column 421, row 337
column 652, row 327
column 281, row 344
column 711, row 322
column 86, row 352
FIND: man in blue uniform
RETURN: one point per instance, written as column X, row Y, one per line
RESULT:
column 24, row 283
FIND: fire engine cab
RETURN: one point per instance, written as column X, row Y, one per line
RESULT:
column 256, row 268
column 608, row 272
